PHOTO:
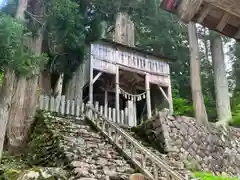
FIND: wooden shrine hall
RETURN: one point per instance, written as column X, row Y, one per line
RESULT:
column 219, row 15
column 128, row 79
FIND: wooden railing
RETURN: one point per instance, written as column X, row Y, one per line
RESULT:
column 150, row 164
column 105, row 58
column 75, row 108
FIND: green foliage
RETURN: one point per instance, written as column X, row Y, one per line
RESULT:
column 65, row 23
column 9, row 174
column 235, row 56
column 1, row 78
column 11, row 32
column 71, row 25
column 210, row 107
column 11, row 166
column 12, row 162
column 13, row 51
column 210, row 176
column 181, row 106
column 235, row 109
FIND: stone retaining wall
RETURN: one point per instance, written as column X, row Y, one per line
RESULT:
column 187, row 141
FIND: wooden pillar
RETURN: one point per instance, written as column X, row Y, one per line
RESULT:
column 73, row 86
column 130, row 113
column 117, row 95
column 148, row 96
column 91, row 82
column 68, row 93
column 170, row 100
column 106, row 101
column 134, row 108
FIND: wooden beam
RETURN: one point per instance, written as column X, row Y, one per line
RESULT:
column 188, row 9
column 223, row 22
column 237, row 35
column 141, row 72
column 137, row 77
column 164, row 94
column 96, row 77
column 111, row 90
column 204, row 14
column 168, row 97
column 230, row 6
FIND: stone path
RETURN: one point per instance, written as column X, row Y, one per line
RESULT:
column 91, row 156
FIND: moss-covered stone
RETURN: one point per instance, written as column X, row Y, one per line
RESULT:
column 43, row 160
column 10, row 174
column 36, row 173
column 44, row 145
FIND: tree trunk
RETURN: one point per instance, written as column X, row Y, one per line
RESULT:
column 5, row 103
column 124, row 30
column 22, row 6
column 80, row 79
column 197, row 95
column 8, row 85
column 16, row 116
column 59, row 85
column 221, row 82
column 24, row 100
column 45, row 83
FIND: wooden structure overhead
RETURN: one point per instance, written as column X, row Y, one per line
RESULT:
column 219, row 15
column 129, row 84
column 125, row 71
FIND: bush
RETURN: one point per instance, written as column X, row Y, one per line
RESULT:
column 181, row 106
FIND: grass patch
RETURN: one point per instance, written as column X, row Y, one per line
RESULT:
column 210, row 176
column 12, row 162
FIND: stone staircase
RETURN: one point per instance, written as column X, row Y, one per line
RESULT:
column 90, row 155
column 98, row 148
column 150, row 162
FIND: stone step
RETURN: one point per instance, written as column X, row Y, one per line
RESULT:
column 91, row 156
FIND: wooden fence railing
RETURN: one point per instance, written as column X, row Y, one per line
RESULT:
column 75, row 108
column 150, row 164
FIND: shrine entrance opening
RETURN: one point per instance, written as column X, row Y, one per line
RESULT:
column 132, row 94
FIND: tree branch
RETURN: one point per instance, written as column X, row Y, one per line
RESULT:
column 34, row 17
